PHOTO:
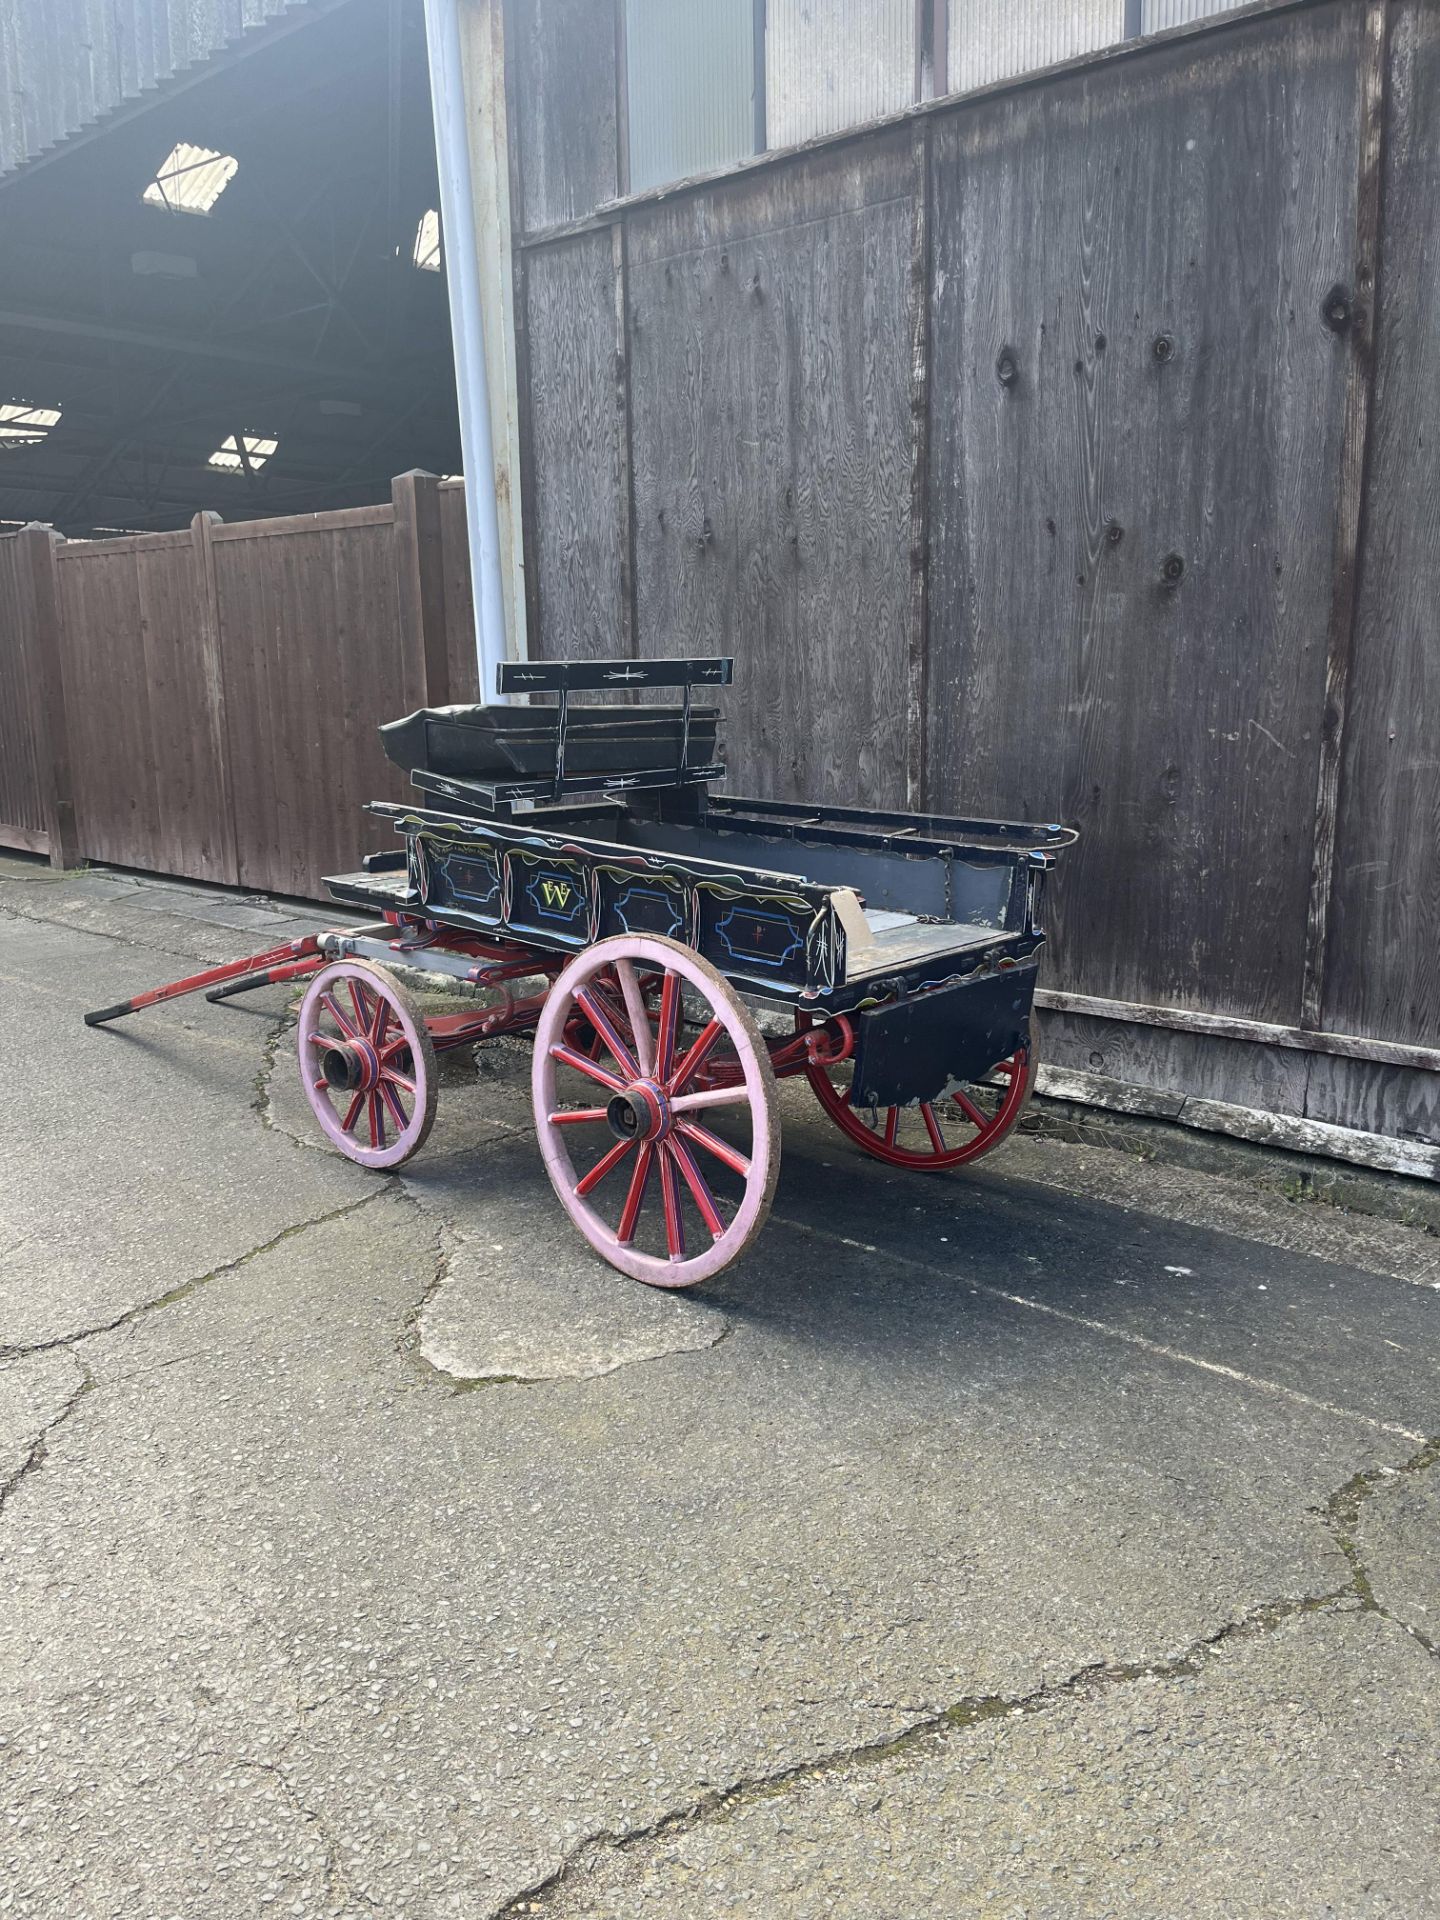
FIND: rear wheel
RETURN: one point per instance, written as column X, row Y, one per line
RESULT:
column 932, row 1136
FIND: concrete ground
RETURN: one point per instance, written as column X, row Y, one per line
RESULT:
column 1058, row 1539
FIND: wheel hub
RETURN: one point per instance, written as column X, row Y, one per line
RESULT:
column 350, row 1066
column 641, row 1112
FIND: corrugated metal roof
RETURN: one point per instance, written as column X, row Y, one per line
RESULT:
column 835, row 63
column 995, row 39
column 64, row 64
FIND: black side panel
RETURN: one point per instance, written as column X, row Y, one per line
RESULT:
column 914, row 1049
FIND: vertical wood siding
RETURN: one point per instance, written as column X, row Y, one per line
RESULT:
column 835, row 63
column 577, row 431
column 770, row 400
column 1175, row 720
column 1382, row 961
column 566, row 108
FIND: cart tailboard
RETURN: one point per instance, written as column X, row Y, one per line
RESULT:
column 926, row 1044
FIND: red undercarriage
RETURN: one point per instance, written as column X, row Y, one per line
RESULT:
column 819, row 1043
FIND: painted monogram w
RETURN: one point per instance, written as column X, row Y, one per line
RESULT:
column 555, row 893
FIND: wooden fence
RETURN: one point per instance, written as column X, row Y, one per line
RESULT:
column 205, row 703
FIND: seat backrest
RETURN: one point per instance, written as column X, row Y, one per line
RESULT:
column 609, row 676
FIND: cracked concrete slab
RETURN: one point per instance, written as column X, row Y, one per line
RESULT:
column 498, row 1313
column 132, row 1162
column 294, row 1625
column 1396, row 1532
column 35, row 1393
column 1267, row 1780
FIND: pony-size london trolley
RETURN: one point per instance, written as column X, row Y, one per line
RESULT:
column 673, row 953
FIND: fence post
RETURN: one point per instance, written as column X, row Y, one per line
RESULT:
column 209, row 629
column 44, row 674
column 420, row 584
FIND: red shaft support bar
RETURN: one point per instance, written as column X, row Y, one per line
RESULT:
column 277, row 957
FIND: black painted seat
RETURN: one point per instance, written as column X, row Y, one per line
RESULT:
column 481, row 743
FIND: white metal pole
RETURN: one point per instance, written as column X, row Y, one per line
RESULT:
column 472, row 385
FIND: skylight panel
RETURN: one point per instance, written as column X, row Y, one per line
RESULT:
column 427, row 243
column 22, row 426
column 191, row 180
column 228, row 457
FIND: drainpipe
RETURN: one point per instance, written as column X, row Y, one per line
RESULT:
column 472, row 385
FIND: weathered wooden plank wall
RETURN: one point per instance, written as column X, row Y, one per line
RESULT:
column 566, row 93
column 1382, row 961
column 769, row 343
column 1057, row 454
column 578, row 546
column 1139, row 386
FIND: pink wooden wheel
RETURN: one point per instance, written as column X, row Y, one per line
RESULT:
column 366, row 1063
column 934, row 1135
column 625, row 1125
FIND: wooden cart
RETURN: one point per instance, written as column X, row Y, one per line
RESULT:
column 672, row 953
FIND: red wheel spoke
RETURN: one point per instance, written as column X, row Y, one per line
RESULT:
column 599, row 1018
column 695, row 1180
column 635, row 1198
column 575, row 1116
column 723, row 1151
column 362, row 1011
column 694, row 1058
column 1010, row 1079
column 670, row 1196
column 971, row 1112
column 638, row 1017
column 601, row 1167
column 394, row 1103
column 568, row 1057
column 331, row 1006
column 669, row 1015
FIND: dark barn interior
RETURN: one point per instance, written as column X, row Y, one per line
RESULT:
column 293, row 312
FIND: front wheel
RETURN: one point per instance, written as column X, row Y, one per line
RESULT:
column 932, row 1136
column 366, row 1063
